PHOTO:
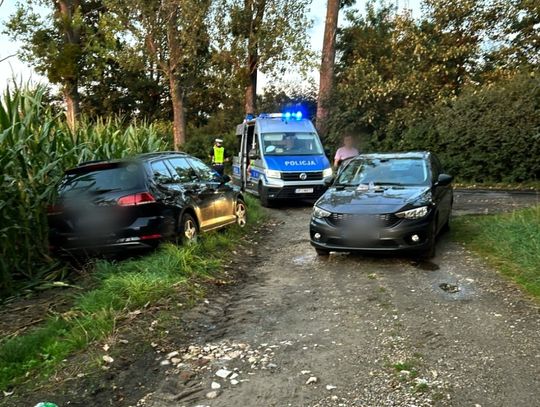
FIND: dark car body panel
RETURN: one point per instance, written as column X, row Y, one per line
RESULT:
column 93, row 221
column 374, row 211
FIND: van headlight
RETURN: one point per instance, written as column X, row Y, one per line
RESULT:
column 415, row 213
column 328, row 172
column 272, row 173
column 320, row 213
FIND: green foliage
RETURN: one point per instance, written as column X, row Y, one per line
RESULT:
column 511, row 242
column 487, row 134
column 432, row 83
column 35, row 147
column 120, row 287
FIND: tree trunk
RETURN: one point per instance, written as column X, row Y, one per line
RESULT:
column 179, row 118
column 66, row 10
column 250, row 101
column 72, row 99
column 327, row 65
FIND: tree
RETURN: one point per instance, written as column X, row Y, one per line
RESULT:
column 261, row 35
column 174, row 34
column 327, row 64
column 58, row 45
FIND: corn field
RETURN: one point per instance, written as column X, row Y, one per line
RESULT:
column 35, row 147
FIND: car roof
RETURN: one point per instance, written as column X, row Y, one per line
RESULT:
column 405, row 154
column 136, row 158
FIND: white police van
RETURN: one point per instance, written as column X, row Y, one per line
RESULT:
column 280, row 156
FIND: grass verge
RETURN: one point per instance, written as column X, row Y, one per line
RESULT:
column 510, row 242
column 119, row 287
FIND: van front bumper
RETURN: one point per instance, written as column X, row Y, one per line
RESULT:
column 294, row 191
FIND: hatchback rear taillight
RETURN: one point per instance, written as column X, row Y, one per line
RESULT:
column 136, row 199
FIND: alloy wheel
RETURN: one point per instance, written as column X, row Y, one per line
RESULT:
column 241, row 214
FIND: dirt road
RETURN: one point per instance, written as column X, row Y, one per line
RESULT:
column 299, row 330
column 365, row 331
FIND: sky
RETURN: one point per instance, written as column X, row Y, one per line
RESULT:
column 13, row 66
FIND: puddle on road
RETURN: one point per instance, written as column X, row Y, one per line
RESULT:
column 304, row 259
column 449, row 288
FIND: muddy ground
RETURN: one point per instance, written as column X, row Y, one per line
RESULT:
column 348, row 330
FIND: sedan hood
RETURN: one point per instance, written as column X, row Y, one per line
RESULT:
column 373, row 201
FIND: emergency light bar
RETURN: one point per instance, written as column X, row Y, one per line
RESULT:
column 285, row 116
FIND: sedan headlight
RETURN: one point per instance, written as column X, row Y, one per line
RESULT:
column 320, row 213
column 273, row 173
column 415, row 213
column 328, row 172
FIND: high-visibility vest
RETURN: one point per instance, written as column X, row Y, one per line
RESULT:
column 219, row 155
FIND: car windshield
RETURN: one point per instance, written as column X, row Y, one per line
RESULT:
column 101, row 178
column 291, row 144
column 385, row 171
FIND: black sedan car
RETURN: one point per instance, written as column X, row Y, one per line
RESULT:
column 384, row 202
column 138, row 202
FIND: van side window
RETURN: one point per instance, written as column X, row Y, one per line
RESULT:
column 161, row 173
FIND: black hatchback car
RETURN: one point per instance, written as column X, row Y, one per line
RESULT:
column 384, row 202
column 138, row 202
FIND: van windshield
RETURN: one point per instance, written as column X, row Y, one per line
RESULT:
column 291, row 144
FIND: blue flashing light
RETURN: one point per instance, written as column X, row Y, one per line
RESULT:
column 287, row 115
column 298, row 115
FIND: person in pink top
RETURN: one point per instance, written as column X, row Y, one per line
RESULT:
column 347, row 151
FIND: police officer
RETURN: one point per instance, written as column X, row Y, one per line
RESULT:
column 217, row 154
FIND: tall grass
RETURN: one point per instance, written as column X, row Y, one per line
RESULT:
column 510, row 241
column 118, row 288
column 35, row 147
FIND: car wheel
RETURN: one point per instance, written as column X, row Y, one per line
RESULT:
column 189, row 231
column 431, row 249
column 263, row 196
column 322, row 252
column 446, row 226
column 241, row 213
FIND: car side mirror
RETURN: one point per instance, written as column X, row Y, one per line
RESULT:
column 443, row 180
column 253, row 155
column 329, row 181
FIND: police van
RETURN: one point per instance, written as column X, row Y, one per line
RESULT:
column 280, row 156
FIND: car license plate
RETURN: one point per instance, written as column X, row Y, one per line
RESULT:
column 303, row 190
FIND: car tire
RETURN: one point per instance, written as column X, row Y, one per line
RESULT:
column 263, row 196
column 322, row 252
column 240, row 210
column 431, row 249
column 188, row 230
column 446, row 226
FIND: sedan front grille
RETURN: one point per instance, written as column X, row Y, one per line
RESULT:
column 302, row 176
column 383, row 220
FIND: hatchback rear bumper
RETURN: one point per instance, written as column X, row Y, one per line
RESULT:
column 144, row 233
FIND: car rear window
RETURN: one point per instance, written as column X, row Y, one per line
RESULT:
column 102, row 178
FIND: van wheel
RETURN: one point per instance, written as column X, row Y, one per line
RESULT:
column 188, row 230
column 263, row 196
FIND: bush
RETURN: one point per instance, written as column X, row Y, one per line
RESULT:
column 487, row 134
column 35, row 147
